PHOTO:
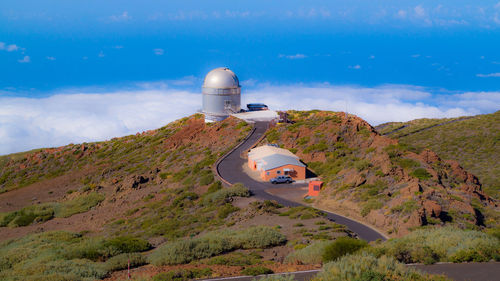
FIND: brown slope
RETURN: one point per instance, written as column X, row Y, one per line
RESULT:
column 126, row 170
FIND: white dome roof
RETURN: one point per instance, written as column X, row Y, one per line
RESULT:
column 221, row 78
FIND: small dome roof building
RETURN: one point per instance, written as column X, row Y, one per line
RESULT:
column 221, row 93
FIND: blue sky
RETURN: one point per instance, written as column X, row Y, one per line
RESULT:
column 426, row 58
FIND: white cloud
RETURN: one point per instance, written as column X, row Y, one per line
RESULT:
column 60, row 119
column 293, row 57
column 371, row 57
column 51, row 58
column 122, row 17
column 12, row 48
column 419, row 11
column 497, row 74
column 101, row 54
column 158, row 51
column 401, row 14
column 357, row 66
column 25, row 59
column 27, row 123
column 8, row 48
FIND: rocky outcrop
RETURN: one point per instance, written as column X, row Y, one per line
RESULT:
column 397, row 188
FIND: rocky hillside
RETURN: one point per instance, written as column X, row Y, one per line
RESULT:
column 80, row 212
column 473, row 141
column 393, row 186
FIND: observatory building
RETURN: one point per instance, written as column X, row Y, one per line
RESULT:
column 221, row 93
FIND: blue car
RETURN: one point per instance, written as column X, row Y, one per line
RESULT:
column 281, row 179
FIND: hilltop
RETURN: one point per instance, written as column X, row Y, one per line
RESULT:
column 474, row 141
column 391, row 185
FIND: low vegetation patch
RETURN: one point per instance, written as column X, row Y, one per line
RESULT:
column 47, row 211
column 183, row 274
column 447, row 244
column 421, row 173
column 235, row 259
column 121, row 261
column 341, row 247
column 236, row 189
column 215, row 243
column 256, row 270
column 78, row 205
column 365, row 267
column 312, row 254
column 61, row 255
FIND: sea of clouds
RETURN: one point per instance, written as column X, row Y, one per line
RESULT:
column 85, row 116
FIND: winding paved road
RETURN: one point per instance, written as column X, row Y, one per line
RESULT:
column 230, row 169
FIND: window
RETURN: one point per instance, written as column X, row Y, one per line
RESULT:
column 316, row 188
column 278, row 172
column 268, row 173
column 227, row 104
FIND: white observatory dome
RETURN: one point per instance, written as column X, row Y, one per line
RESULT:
column 221, row 78
column 221, row 94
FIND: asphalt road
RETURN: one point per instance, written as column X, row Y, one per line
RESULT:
column 230, row 169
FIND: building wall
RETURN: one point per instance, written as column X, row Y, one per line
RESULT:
column 251, row 164
column 215, row 104
column 314, row 188
column 299, row 173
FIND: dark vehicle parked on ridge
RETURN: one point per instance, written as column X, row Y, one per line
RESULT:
column 281, row 179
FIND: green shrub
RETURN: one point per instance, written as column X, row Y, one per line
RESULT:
column 121, row 261
column 237, row 189
column 183, row 274
column 214, row 187
column 421, row 173
column 366, row 267
column 99, row 249
column 362, row 165
column 226, row 210
column 256, row 270
column 179, row 200
column 215, row 243
column 207, row 179
column 78, row 205
column 406, row 207
column 406, row 163
column 312, row 254
column 43, row 256
column 341, row 247
column 272, row 135
column 127, row 244
column 235, row 259
column 28, row 215
column 372, row 204
column 446, row 244
column 317, row 147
